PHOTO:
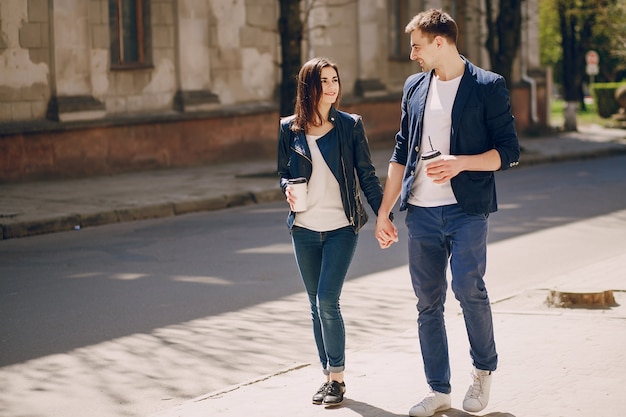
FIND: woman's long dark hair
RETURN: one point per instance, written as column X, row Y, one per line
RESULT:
column 310, row 93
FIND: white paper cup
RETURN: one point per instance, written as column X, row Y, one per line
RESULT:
column 298, row 188
column 430, row 156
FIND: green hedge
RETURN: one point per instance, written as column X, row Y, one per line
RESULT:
column 604, row 98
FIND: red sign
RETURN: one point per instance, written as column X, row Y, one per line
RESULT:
column 592, row 58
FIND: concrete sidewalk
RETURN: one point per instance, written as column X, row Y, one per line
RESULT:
column 547, row 372
column 553, row 362
column 33, row 208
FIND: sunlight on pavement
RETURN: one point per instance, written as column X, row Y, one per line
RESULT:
column 149, row 371
column 202, row 280
column 279, row 248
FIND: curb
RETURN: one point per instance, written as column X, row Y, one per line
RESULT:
column 152, row 211
column 77, row 221
column 531, row 160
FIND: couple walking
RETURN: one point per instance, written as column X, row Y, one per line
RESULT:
column 453, row 106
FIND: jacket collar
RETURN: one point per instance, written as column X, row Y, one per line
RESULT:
column 332, row 114
column 300, row 144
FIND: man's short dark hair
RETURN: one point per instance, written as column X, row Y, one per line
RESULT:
column 434, row 22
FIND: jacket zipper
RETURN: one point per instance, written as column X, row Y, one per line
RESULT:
column 345, row 180
column 301, row 154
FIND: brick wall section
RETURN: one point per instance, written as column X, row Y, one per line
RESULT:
column 70, row 152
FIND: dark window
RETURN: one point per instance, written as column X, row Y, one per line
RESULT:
column 456, row 12
column 398, row 39
column 130, row 34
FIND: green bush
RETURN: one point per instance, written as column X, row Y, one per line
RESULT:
column 604, row 97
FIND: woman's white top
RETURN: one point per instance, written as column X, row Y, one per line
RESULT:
column 324, row 206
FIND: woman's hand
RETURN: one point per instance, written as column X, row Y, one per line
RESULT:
column 386, row 233
column 291, row 198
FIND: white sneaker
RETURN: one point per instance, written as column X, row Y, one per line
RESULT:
column 477, row 395
column 433, row 401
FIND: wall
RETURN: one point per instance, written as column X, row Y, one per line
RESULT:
column 211, row 86
column 24, row 60
column 88, row 149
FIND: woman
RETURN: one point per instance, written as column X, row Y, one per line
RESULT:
column 329, row 148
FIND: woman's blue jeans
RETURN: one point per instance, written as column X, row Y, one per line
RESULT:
column 436, row 235
column 323, row 259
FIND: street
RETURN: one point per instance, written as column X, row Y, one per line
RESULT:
column 133, row 318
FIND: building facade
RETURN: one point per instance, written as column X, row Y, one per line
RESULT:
column 95, row 87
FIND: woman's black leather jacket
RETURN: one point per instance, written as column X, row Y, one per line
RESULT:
column 348, row 158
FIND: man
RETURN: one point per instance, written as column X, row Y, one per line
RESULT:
column 464, row 112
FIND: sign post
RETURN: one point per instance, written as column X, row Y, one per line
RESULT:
column 592, row 60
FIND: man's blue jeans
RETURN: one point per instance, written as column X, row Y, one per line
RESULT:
column 436, row 235
column 323, row 259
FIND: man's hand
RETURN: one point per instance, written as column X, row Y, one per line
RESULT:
column 444, row 169
column 451, row 165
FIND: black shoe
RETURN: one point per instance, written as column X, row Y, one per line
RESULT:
column 334, row 395
column 318, row 398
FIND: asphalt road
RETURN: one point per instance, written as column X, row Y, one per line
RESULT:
column 128, row 318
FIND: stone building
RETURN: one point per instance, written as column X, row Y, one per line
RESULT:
column 93, row 87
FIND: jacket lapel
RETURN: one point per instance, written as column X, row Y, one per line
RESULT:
column 465, row 90
column 330, row 148
column 422, row 95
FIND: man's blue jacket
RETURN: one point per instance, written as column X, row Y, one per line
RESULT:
column 481, row 120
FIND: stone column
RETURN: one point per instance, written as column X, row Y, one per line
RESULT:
column 72, row 97
column 194, row 71
column 368, row 82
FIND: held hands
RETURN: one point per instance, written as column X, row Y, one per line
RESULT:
column 386, row 233
column 444, row 169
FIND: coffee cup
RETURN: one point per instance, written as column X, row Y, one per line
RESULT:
column 431, row 156
column 298, row 187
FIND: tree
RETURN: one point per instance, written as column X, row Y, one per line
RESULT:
column 293, row 24
column 549, row 35
column 290, row 28
column 577, row 19
column 568, row 30
column 504, row 36
column 575, row 24
column 609, row 40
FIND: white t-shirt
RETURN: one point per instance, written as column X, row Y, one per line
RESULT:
column 324, row 206
column 436, row 130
